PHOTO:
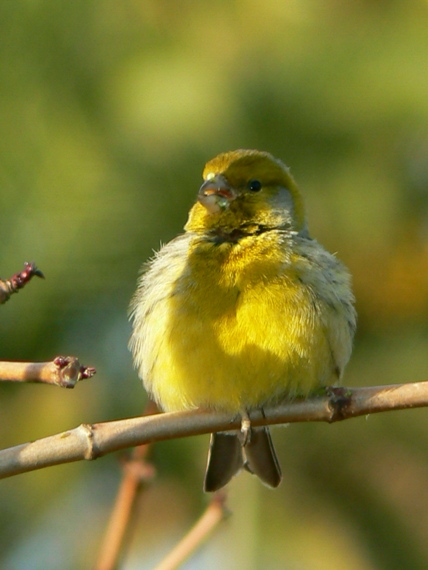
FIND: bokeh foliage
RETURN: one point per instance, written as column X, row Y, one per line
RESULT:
column 108, row 111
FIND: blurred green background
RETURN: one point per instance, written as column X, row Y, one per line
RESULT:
column 108, row 112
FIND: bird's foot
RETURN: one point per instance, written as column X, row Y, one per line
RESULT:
column 245, row 434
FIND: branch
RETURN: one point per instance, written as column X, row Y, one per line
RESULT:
column 137, row 474
column 17, row 281
column 89, row 441
column 214, row 513
column 63, row 371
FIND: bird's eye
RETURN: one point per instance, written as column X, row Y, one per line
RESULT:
column 254, row 185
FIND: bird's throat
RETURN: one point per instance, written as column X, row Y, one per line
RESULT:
column 222, row 235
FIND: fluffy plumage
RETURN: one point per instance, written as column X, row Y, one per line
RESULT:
column 243, row 309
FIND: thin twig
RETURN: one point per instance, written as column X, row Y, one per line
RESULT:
column 89, row 441
column 136, row 474
column 213, row 515
column 63, row 371
column 18, row 280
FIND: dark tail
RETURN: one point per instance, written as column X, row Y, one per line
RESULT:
column 261, row 457
column 226, row 458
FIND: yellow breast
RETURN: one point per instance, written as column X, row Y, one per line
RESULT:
column 233, row 326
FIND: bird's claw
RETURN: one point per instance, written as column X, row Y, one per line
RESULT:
column 245, row 434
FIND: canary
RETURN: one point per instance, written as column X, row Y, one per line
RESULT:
column 242, row 310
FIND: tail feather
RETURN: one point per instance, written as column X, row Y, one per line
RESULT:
column 261, row 457
column 226, row 458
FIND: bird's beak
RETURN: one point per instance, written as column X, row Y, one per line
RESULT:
column 216, row 194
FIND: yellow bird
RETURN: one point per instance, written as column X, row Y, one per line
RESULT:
column 242, row 310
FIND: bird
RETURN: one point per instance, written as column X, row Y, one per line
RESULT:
column 242, row 311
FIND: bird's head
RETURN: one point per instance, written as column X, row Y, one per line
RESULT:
column 245, row 190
